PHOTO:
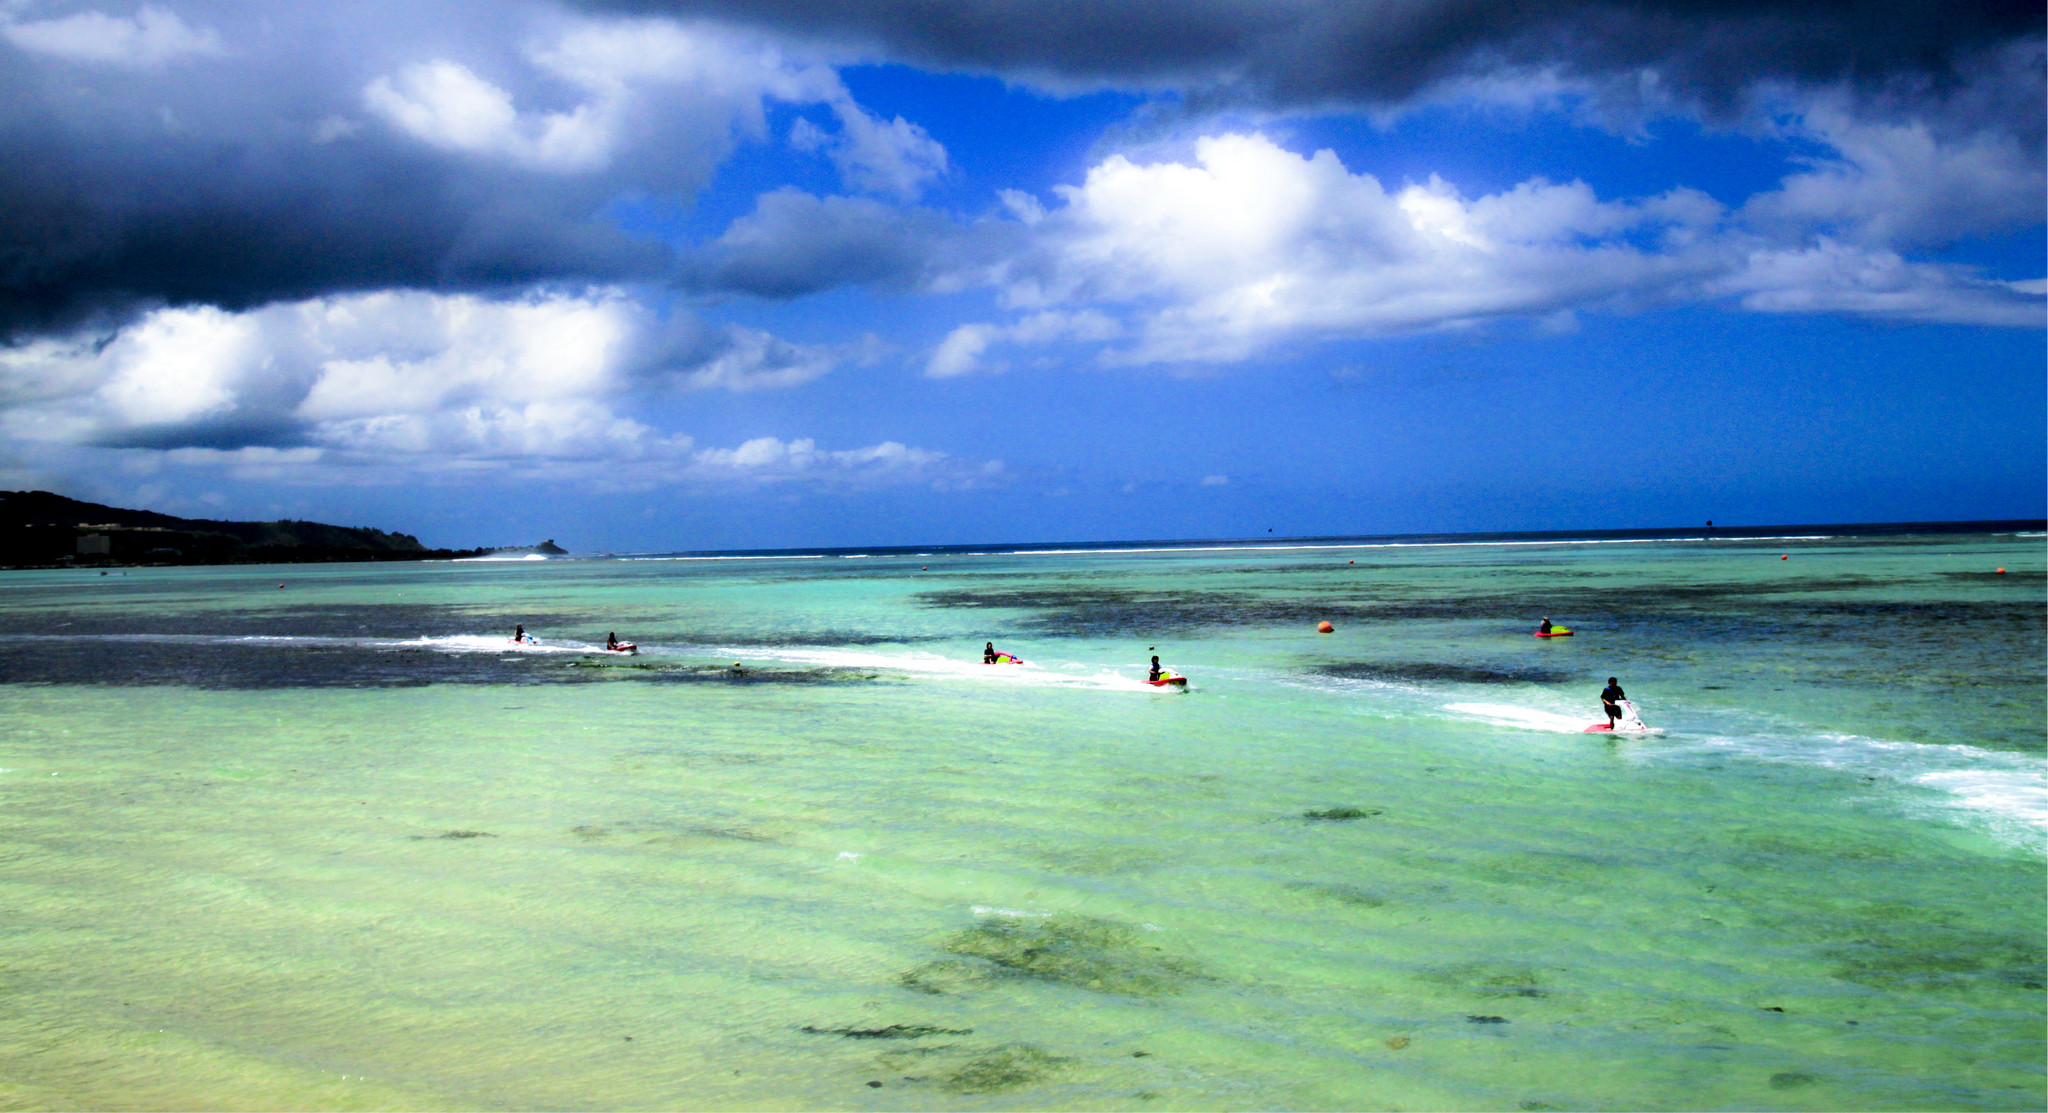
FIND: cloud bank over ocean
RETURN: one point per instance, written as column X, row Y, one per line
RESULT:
column 372, row 241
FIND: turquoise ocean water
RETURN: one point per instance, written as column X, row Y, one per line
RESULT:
column 339, row 844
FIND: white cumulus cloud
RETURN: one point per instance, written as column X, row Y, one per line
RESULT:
column 894, row 158
column 962, row 351
column 756, row 360
column 393, row 386
column 645, row 85
column 151, row 37
column 1253, row 244
column 1832, row 277
column 1899, row 184
column 444, row 104
column 1250, row 245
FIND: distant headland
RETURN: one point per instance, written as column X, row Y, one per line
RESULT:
column 39, row 529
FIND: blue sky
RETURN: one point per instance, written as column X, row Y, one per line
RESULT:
column 687, row 276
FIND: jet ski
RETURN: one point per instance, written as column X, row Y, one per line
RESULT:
column 1169, row 680
column 1629, row 723
column 1005, row 659
column 627, row 648
column 1555, row 632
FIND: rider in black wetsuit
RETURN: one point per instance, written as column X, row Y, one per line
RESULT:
column 1153, row 675
column 1610, row 700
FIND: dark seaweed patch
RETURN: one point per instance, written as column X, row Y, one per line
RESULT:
column 1939, row 959
column 457, row 834
column 356, row 620
column 1105, row 611
column 234, row 665
column 1340, row 815
column 1079, row 951
column 668, row 833
column 1068, row 608
column 946, row 976
column 1438, row 671
column 738, row 834
column 1005, row 1068
column 1340, row 894
column 1486, row 1019
column 892, row 1032
column 667, row 673
column 1791, row 1080
column 1491, row 980
column 785, row 639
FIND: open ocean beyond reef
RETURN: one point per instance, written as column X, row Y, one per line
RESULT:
column 344, row 846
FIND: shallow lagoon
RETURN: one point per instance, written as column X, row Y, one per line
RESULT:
column 340, row 845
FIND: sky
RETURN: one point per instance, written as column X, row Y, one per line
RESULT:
column 655, row 275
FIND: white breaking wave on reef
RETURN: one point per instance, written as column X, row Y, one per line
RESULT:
column 1520, row 718
column 1245, row 547
column 1281, row 546
column 447, row 643
column 487, row 643
column 932, row 665
column 2006, row 791
column 769, row 556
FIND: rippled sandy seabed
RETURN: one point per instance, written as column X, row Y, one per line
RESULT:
column 343, row 846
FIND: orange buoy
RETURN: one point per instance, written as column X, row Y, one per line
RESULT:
column 1784, row 558
column 1351, row 562
column 2001, row 571
column 1325, row 628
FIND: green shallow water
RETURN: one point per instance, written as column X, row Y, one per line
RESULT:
column 338, row 846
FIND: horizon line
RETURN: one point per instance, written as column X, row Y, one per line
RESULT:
column 1705, row 532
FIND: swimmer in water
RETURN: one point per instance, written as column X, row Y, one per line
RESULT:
column 1610, row 700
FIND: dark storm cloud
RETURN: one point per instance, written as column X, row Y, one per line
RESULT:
column 794, row 244
column 253, row 171
column 82, row 236
column 229, row 154
column 1293, row 53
